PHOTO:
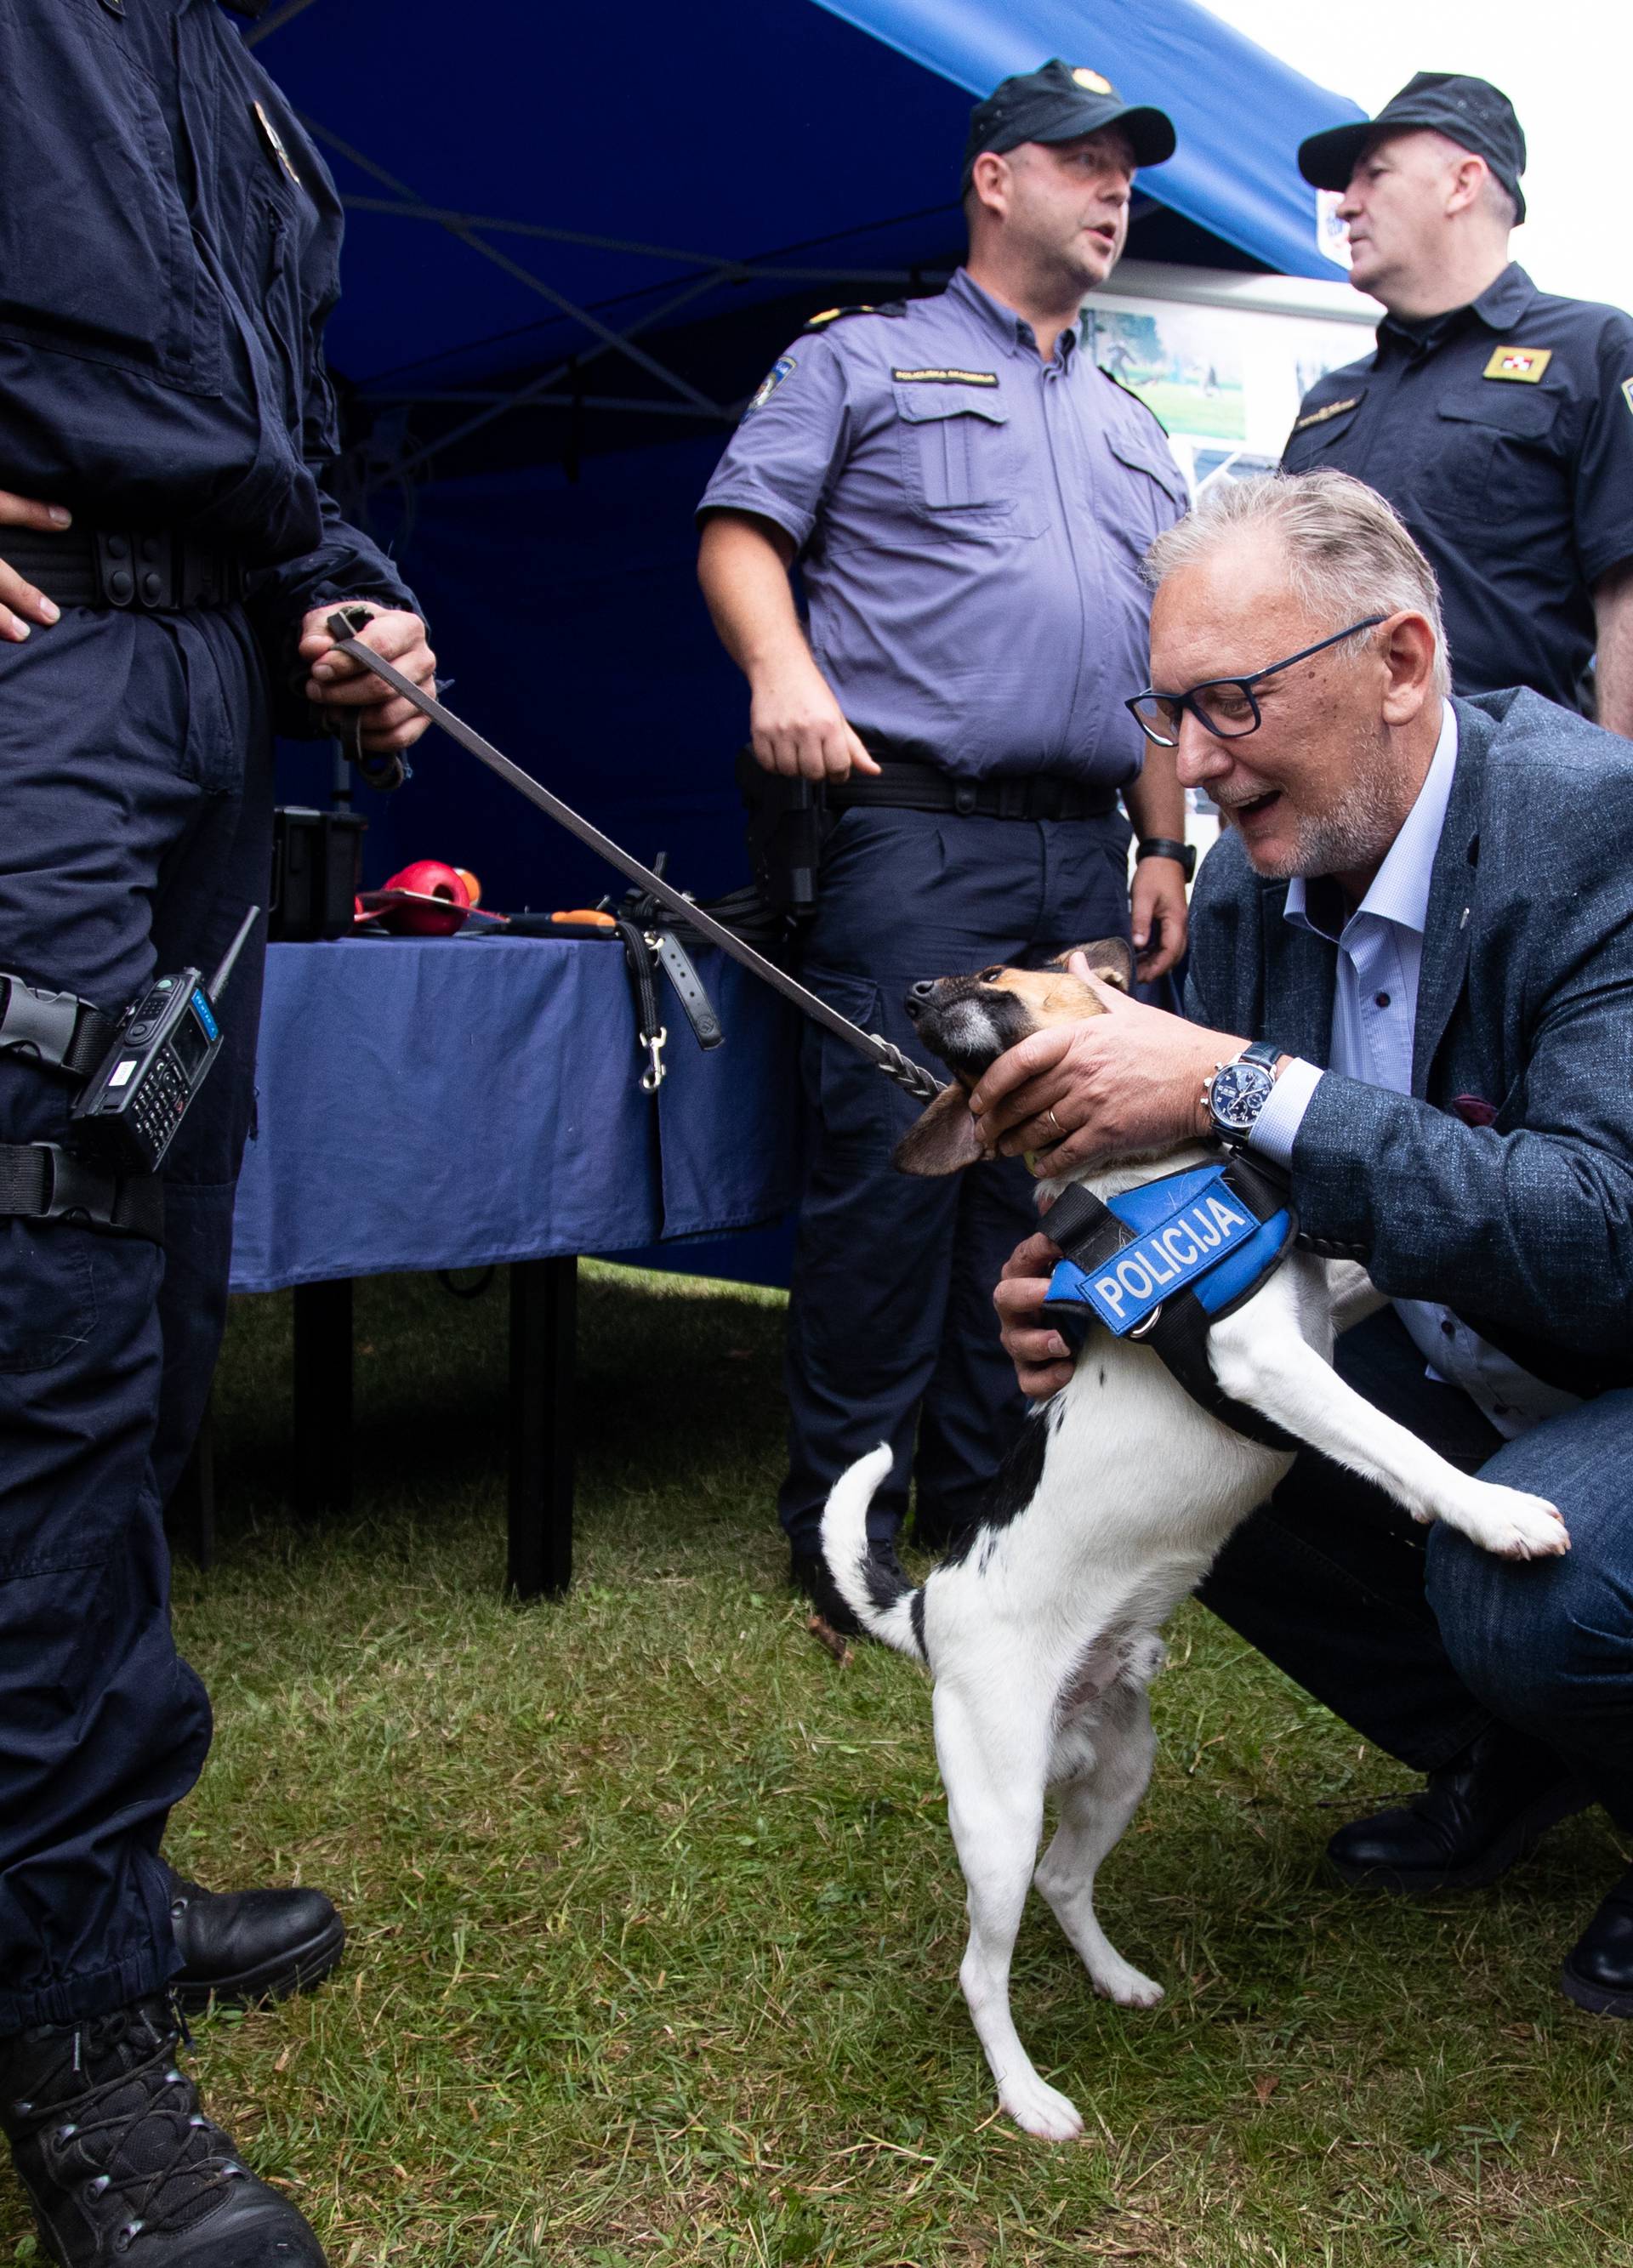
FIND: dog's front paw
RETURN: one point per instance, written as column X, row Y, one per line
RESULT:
column 1042, row 2109
column 1510, row 1523
column 1125, row 1985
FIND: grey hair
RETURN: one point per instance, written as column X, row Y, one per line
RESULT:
column 1347, row 552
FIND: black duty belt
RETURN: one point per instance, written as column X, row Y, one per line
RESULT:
column 909, row 783
column 155, row 570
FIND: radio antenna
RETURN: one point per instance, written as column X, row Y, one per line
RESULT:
column 218, row 982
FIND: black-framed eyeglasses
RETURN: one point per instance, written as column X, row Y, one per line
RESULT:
column 1224, row 706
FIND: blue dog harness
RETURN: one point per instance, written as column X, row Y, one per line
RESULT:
column 1163, row 1263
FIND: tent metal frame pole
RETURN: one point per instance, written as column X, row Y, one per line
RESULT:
column 525, row 276
column 725, row 270
column 524, row 394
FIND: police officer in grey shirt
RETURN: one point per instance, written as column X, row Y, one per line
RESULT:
column 968, row 498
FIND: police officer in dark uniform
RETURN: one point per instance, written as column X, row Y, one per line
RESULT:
column 1496, row 419
column 968, row 498
column 168, row 249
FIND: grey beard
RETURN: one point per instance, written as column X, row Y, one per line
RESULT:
column 1356, row 836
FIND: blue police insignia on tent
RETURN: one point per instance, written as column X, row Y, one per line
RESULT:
column 769, row 384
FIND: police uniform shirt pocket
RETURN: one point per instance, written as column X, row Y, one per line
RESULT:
column 1489, row 456
column 958, row 458
column 1158, row 494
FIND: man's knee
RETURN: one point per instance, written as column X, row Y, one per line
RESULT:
column 1540, row 1642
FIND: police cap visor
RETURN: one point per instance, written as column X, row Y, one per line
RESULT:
column 1470, row 112
column 1057, row 103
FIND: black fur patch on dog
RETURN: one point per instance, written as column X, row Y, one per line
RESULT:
column 886, row 1581
column 1013, row 1485
column 916, row 1611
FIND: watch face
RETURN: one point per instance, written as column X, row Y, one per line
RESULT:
column 1238, row 1093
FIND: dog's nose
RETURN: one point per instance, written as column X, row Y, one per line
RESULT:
column 919, row 996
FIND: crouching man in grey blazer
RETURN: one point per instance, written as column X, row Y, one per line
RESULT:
column 1420, row 918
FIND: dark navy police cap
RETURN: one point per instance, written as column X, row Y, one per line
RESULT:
column 1056, row 103
column 1470, row 112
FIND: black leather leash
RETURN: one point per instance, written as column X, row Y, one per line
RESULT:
column 922, row 1085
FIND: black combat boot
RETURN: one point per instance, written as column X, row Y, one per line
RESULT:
column 243, row 1945
column 123, row 2169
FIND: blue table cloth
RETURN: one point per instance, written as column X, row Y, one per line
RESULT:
column 447, row 1103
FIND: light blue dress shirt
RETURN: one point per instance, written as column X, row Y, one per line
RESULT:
column 1380, row 952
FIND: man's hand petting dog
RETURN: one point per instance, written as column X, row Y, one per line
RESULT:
column 1120, row 1085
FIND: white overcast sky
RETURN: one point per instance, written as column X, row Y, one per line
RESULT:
column 1564, row 67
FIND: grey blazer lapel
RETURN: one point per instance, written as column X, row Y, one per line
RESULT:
column 1300, row 974
column 1451, row 897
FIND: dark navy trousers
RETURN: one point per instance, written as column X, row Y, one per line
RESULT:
column 891, row 1333
column 136, row 788
column 1416, row 1637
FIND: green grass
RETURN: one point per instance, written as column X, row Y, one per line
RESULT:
column 655, row 1923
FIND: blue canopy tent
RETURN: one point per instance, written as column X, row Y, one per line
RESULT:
column 575, row 242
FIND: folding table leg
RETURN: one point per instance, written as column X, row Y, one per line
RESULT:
column 323, row 1395
column 543, row 1300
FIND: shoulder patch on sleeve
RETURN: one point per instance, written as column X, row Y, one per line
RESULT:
column 1627, row 392
column 768, row 384
column 1112, row 380
column 837, row 314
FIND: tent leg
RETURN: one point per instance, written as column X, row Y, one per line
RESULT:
column 544, row 1301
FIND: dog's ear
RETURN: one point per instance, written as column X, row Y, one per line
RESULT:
column 1110, row 958
column 941, row 1140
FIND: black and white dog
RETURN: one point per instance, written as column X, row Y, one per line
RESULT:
column 1042, row 1629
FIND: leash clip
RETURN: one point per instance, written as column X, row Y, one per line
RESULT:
column 652, row 1077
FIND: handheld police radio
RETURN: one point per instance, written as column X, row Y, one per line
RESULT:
column 133, row 1104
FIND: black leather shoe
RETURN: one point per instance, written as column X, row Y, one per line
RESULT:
column 1476, row 1817
column 1598, row 1972
column 120, row 2163
column 242, row 1946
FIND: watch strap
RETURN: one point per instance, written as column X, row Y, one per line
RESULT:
column 1165, row 846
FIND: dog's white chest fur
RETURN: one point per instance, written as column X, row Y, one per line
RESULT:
column 1042, row 1631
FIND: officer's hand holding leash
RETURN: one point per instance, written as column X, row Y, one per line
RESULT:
column 21, row 605
column 385, row 723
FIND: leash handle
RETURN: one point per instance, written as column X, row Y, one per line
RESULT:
column 922, row 1085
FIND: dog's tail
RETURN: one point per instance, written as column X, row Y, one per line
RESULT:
column 886, row 1604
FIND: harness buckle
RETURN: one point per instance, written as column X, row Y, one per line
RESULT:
column 37, row 1023
column 656, row 1072
column 1147, row 1324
